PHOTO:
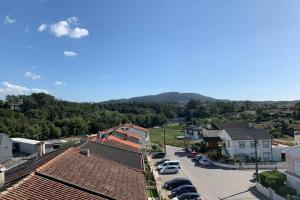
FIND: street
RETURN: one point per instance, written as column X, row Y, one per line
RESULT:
column 214, row 183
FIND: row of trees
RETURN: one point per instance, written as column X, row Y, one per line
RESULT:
column 42, row 116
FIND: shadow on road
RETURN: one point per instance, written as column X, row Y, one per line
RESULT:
column 180, row 153
column 253, row 191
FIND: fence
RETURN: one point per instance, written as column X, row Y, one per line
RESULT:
column 268, row 192
column 249, row 165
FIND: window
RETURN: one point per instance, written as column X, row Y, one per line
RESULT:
column 252, row 155
column 252, row 144
column 266, row 144
column 228, row 143
column 266, row 156
column 242, row 144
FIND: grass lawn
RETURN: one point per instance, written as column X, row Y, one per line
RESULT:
column 172, row 130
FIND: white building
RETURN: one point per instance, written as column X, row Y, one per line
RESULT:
column 25, row 145
column 240, row 142
column 142, row 132
column 292, row 156
column 5, row 148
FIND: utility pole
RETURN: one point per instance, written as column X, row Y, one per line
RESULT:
column 256, row 161
column 165, row 141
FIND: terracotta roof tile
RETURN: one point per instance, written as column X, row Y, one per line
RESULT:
column 98, row 174
column 123, row 143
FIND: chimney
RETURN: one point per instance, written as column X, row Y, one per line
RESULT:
column 2, row 176
column 85, row 152
column 41, row 150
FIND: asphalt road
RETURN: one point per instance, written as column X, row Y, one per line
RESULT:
column 214, row 183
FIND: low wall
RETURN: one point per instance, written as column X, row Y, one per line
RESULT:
column 246, row 166
column 268, row 192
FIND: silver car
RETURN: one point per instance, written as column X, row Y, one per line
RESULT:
column 169, row 170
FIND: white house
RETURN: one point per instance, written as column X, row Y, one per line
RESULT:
column 292, row 156
column 5, row 148
column 240, row 142
column 142, row 132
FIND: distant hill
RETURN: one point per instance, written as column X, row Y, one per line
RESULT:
column 171, row 97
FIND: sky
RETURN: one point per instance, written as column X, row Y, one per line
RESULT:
column 98, row 50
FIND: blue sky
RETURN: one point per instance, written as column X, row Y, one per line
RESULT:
column 98, row 50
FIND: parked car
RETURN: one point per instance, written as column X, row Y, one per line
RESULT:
column 158, row 155
column 176, row 182
column 182, row 189
column 169, row 170
column 205, row 162
column 197, row 158
column 188, row 196
column 160, row 162
column 169, row 163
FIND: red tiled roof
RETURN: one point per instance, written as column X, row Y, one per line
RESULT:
column 123, row 143
column 116, row 142
column 36, row 187
column 97, row 174
column 136, row 127
column 128, row 133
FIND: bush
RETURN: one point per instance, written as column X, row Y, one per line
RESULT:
column 285, row 190
column 273, row 179
column 214, row 155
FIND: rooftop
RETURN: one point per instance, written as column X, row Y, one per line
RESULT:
column 122, row 156
column 24, row 140
column 228, row 125
column 97, row 174
column 248, row 134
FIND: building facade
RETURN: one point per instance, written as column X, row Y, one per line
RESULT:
column 240, row 143
column 292, row 156
column 5, row 148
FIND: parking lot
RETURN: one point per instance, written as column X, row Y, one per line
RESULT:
column 213, row 183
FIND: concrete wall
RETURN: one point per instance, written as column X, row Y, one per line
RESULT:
column 26, row 147
column 5, row 148
column 293, row 182
column 268, row 192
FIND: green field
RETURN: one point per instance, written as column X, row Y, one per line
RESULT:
column 172, row 130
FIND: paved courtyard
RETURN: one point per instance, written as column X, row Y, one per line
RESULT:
column 214, row 183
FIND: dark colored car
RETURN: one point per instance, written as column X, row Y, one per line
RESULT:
column 197, row 158
column 189, row 196
column 158, row 155
column 182, row 189
column 160, row 162
column 176, row 182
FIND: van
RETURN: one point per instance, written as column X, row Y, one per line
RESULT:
column 169, row 163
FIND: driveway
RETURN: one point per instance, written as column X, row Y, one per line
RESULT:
column 214, row 183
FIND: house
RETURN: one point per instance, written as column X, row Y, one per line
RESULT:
column 92, row 171
column 130, row 136
column 240, row 142
column 193, row 132
column 26, row 146
column 142, row 132
column 292, row 156
column 5, row 148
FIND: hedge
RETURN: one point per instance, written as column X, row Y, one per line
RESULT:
column 273, row 179
column 285, row 190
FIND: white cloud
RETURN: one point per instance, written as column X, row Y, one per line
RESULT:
column 66, row 28
column 32, row 76
column 9, row 20
column 58, row 83
column 70, row 53
column 42, row 27
column 10, row 89
column 73, row 20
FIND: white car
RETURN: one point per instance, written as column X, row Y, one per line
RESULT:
column 205, row 162
column 169, row 163
column 169, row 170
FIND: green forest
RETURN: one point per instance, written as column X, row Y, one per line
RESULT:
column 42, row 116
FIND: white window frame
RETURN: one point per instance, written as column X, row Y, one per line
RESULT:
column 264, row 144
column 242, row 146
